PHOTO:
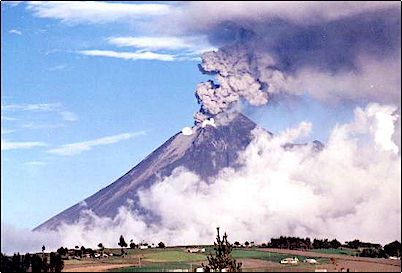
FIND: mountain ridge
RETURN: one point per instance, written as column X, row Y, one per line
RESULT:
column 205, row 151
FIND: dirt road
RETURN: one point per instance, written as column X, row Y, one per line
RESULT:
column 94, row 268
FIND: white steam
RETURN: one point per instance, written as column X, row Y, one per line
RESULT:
column 187, row 131
column 351, row 189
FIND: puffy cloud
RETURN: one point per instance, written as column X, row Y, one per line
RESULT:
column 350, row 189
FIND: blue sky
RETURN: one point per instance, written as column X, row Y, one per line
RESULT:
column 80, row 107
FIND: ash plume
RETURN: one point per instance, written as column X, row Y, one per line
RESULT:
column 347, row 56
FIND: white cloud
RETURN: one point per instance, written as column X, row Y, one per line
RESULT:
column 155, row 48
column 129, row 55
column 79, row 147
column 11, row 3
column 196, row 44
column 7, row 118
column 6, row 131
column 57, row 67
column 15, row 31
column 95, row 12
column 35, row 163
column 40, row 107
column 349, row 190
column 11, row 145
column 38, row 125
column 68, row 116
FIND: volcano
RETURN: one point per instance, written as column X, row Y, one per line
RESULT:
column 205, row 150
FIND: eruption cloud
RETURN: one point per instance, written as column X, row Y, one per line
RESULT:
column 347, row 190
column 351, row 56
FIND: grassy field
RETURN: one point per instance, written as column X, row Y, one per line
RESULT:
column 339, row 251
column 160, row 260
column 253, row 259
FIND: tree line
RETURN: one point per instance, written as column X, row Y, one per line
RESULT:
column 366, row 249
column 32, row 263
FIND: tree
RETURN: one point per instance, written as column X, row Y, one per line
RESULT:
column 222, row 259
column 82, row 251
column 101, row 248
column 62, row 251
column 161, row 245
column 27, row 262
column 59, row 264
column 373, row 253
column 36, row 263
column 393, row 249
column 122, row 243
column 52, row 262
column 132, row 244
column 335, row 244
column 43, row 248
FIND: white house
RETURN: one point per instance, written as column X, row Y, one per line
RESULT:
column 310, row 261
column 196, row 250
column 293, row 260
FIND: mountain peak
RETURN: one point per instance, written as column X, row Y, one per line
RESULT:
column 205, row 150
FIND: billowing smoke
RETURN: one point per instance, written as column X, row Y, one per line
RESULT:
column 237, row 76
column 333, row 57
column 348, row 190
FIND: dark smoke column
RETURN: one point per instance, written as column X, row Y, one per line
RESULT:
column 241, row 75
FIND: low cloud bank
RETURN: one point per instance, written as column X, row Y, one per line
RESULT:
column 351, row 189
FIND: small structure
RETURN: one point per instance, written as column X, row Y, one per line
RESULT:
column 195, row 250
column 293, row 260
column 310, row 261
column 144, row 246
column 394, row 258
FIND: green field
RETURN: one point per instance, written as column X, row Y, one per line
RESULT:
column 154, row 267
column 339, row 251
column 174, row 255
column 160, row 260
